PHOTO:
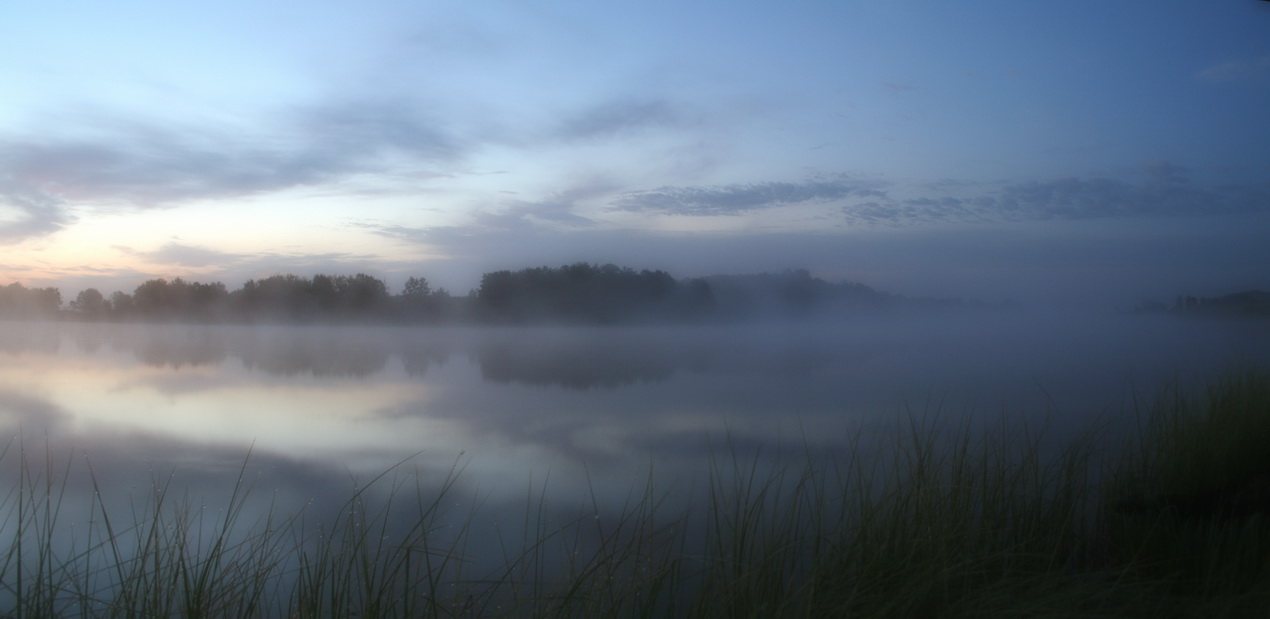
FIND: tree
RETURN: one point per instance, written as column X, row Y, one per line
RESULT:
column 179, row 299
column 362, row 294
column 206, row 301
column 90, row 304
column 47, row 301
column 121, row 304
column 588, row 293
column 417, row 300
column 152, row 298
column 324, row 294
column 18, row 301
column 416, row 288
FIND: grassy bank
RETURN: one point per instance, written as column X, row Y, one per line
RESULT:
column 1173, row 521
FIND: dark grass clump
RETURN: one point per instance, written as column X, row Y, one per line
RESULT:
column 1191, row 503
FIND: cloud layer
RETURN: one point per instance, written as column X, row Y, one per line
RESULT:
column 30, row 213
column 737, row 199
column 129, row 162
column 1165, row 194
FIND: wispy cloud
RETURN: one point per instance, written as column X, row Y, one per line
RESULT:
column 911, row 211
column 264, row 264
column 1240, row 69
column 525, row 215
column 517, row 220
column 556, row 212
column 1165, row 172
column 619, row 117
column 26, row 213
column 737, row 199
column 146, row 164
column 177, row 254
column 1166, row 192
column 202, row 264
column 343, row 133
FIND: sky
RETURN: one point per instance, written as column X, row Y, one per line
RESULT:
column 1047, row 153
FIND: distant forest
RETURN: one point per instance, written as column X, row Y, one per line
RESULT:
column 576, row 293
column 1247, row 304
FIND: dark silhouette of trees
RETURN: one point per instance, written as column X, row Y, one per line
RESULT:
column 288, row 297
column 159, row 299
column 121, row 304
column 322, row 298
column 573, row 293
column 90, row 304
column 583, row 292
column 416, row 288
column 792, row 293
column 1247, row 304
column 208, row 301
column 18, row 301
column 418, row 302
column 362, row 295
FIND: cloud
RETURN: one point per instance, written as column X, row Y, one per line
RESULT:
column 1074, row 198
column 528, row 215
column 1165, row 172
column 916, row 211
column 344, row 132
column 556, row 211
column 189, row 256
column 736, row 199
column 27, row 213
column 1070, row 198
column 264, row 264
column 1238, row 70
column 1167, row 192
column 149, row 164
column 621, row 116
column 516, row 223
column 517, row 218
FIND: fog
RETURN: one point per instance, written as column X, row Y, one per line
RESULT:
column 581, row 416
column 589, row 394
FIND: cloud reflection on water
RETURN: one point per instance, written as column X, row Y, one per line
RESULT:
column 604, row 402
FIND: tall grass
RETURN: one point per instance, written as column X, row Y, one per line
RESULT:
column 1196, row 491
column 945, row 521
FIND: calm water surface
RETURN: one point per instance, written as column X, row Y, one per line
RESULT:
column 583, row 412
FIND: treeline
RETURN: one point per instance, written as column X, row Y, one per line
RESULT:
column 18, row 301
column 576, row 293
column 586, row 293
column 1247, row 304
column 279, row 298
column 793, row 293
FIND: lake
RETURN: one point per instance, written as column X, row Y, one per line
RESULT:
column 562, row 416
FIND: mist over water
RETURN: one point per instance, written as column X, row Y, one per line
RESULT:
column 579, row 413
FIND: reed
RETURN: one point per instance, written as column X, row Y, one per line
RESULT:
column 945, row 520
column 1192, row 496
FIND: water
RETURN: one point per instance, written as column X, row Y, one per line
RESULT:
column 581, row 416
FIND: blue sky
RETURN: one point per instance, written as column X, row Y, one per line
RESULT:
column 1034, row 151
